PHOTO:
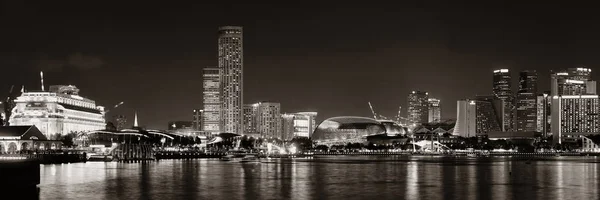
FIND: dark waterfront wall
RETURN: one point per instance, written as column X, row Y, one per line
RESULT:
column 20, row 179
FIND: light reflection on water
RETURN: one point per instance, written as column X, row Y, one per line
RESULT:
column 326, row 178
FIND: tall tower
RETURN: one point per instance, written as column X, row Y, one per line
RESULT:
column 526, row 105
column 435, row 112
column 502, row 90
column 418, row 107
column 211, row 100
column 231, row 65
column 135, row 120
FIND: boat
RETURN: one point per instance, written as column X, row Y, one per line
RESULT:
column 227, row 158
column 100, row 157
column 249, row 158
column 472, row 154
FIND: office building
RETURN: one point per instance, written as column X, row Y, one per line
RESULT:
column 543, row 114
column 526, row 102
column 231, row 65
column 502, row 90
column 197, row 119
column 435, row 110
column 268, row 119
column 287, row 126
column 250, row 115
column 476, row 117
column 211, row 100
column 418, row 107
column 574, row 116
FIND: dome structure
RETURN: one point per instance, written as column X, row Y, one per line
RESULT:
column 393, row 129
column 347, row 129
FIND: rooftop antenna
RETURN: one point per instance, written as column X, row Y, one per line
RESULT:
column 42, row 79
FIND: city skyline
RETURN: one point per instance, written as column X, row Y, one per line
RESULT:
column 177, row 52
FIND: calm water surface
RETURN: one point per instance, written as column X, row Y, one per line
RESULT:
column 351, row 177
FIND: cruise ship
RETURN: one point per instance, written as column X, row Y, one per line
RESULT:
column 58, row 111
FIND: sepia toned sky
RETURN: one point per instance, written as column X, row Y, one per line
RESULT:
column 327, row 57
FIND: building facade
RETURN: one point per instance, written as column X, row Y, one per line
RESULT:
column 502, row 90
column 526, row 105
column 543, row 114
column 211, row 100
column 476, row 117
column 197, row 119
column 268, row 120
column 435, row 110
column 57, row 112
column 250, row 115
column 304, row 124
column 574, row 116
column 573, row 81
column 231, row 66
column 418, row 107
column 287, row 126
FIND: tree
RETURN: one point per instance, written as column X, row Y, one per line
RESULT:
column 110, row 126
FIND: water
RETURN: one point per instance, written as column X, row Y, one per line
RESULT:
column 347, row 177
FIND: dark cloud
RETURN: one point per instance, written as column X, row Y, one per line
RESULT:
column 80, row 61
column 76, row 60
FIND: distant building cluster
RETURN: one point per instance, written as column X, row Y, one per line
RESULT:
column 422, row 108
column 568, row 111
column 223, row 109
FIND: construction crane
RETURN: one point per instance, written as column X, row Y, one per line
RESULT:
column 398, row 119
column 372, row 111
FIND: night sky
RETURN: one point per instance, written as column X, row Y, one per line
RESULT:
column 316, row 57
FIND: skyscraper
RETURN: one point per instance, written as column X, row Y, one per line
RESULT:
column 502, row 90
column 418, row 107
column 526, row 105
column 231, row 65
column 573, row 81
column 268, row 119
column 250, row 114
column 435, row 111
column 211, row 100
column 476, row 117
column 197, row 119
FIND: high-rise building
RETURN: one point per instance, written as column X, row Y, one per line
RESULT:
column 197, row 119
column 250, row 115
column 418, row 107
column 435, row 111
column 502, row 90
column 211, row 100
column 231, row 65
column 476, row 117
column 526, row 105
column 573, row 81
column 268, row 119
column 574, row 116
column 287, row 126
column 543, row 114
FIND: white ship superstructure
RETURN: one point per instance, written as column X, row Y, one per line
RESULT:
column 58, row 111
